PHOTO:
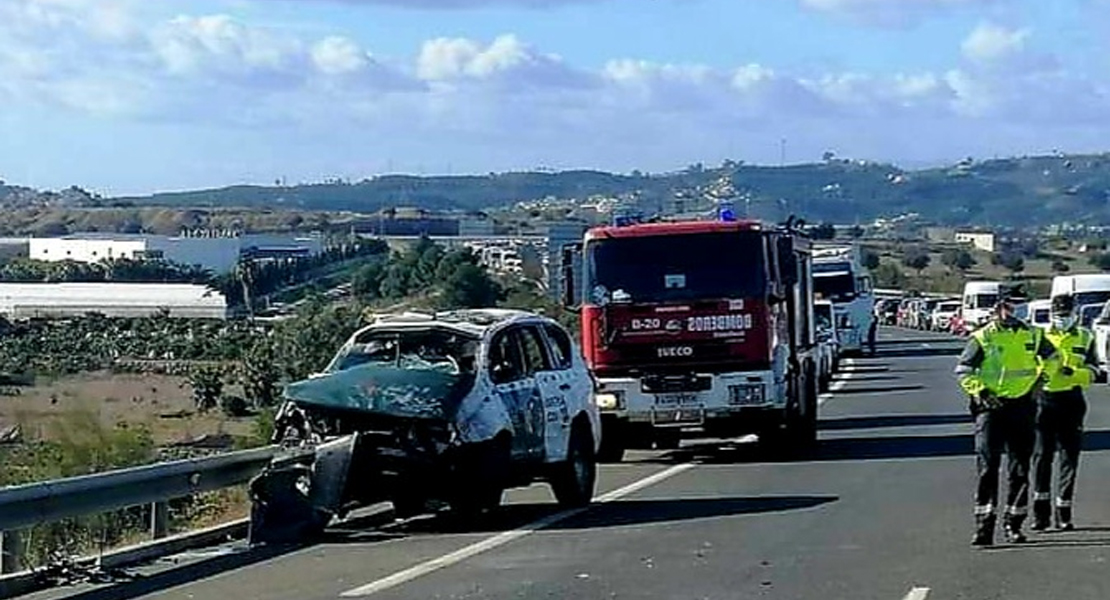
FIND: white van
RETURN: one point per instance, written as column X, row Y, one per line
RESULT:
column 1086, row 289
column 978, row 302
column 1040, row 313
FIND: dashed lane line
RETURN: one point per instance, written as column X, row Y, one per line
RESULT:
column 503, row 538
column 917, row 593
column 837, row 385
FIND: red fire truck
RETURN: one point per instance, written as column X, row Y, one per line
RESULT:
column 697, row 329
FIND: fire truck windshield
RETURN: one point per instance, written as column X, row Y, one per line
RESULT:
column 839, row 287
column 676, row 267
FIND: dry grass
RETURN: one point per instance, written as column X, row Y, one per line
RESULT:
column 116, row 398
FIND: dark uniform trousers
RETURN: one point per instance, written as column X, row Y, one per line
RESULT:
column 1059, row 424
column 1009, row 429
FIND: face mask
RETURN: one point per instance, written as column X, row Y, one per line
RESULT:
column 1063, row 322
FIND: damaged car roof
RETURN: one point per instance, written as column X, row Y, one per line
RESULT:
column 471, row 321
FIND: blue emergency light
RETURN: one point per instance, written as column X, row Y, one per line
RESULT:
column 725, row 213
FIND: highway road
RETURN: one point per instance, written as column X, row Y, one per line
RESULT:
column 882, row 510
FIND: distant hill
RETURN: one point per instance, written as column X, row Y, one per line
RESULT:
column 1023, row 191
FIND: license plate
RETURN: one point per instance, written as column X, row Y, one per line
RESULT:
column 675, row 415
column 676, row 400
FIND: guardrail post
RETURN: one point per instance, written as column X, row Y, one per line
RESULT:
column 11, row 552
column 159, row 520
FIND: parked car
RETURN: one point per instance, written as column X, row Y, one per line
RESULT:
column 450, row 408
column 943, row 314
column 924, row 318
column 888, row 312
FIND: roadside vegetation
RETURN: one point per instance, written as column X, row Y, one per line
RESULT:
column 90, row 394
column 946, row 267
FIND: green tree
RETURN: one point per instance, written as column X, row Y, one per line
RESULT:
column 207, row 384
column 916, row 258
column 306, row 343
column 871, row 259
column 856, row 232
column 470, row 286
column 1101, row 260
column 395, row 283
column 1014, row 262
column 261, row 373
column 958, row 258
column 888, row 275
column 367, row 280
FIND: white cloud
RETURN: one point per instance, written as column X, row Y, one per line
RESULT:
column 338, row 55
column 989, row 43
column 502, row 103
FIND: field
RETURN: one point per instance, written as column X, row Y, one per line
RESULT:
column 162, row 403
column 937, row 277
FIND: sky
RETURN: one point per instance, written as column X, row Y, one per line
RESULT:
column 135, row 96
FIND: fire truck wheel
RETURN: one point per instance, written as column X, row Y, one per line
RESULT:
column 805, row 427
column 614, row 440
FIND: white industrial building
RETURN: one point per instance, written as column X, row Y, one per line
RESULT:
column 981, row 240
column 218, row 254
column 19, row 301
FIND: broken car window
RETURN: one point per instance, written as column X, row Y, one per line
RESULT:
column 450, row 352
column 506, row 363
column 561, row 346
column 534, row 352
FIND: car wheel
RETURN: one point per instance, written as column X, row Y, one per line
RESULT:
column 574, row 479
column 668, row 439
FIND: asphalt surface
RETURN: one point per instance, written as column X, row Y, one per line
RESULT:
column 881, row 510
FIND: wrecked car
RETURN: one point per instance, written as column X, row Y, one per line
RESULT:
column 418, row 409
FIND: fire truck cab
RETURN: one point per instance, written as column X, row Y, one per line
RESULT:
column 697, row 329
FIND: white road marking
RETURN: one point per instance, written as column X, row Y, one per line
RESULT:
column 836, row 385
column 503, row 538
column 917, row 593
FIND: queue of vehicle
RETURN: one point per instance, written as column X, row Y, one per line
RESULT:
column 446, row 410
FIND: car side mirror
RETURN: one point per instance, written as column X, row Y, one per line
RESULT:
column 788, row 261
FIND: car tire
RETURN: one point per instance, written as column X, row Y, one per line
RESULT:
column 575, row 478
column 614, row 441
column 668, row 439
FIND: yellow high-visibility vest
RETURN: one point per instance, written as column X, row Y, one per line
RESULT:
column 1071, row 351
column 1010, row 366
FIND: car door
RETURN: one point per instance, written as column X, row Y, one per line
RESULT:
column 515, row 385
column 565, row 391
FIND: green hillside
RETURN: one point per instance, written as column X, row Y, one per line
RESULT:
column 1014, row 192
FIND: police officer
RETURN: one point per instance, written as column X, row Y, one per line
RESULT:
column 1000, row 370
column 1060, row 412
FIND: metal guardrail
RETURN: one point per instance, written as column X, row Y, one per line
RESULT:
column 49, row 501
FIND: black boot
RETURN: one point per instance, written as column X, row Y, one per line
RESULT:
column 984, row 531
column 1042, row 515
column 1063, row 518
column 1012, row 529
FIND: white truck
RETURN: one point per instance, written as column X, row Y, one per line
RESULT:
column 840, row 277
column 1091, row 293
column 978, row 302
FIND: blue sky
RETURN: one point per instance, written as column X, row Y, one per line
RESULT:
column 131, row 96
